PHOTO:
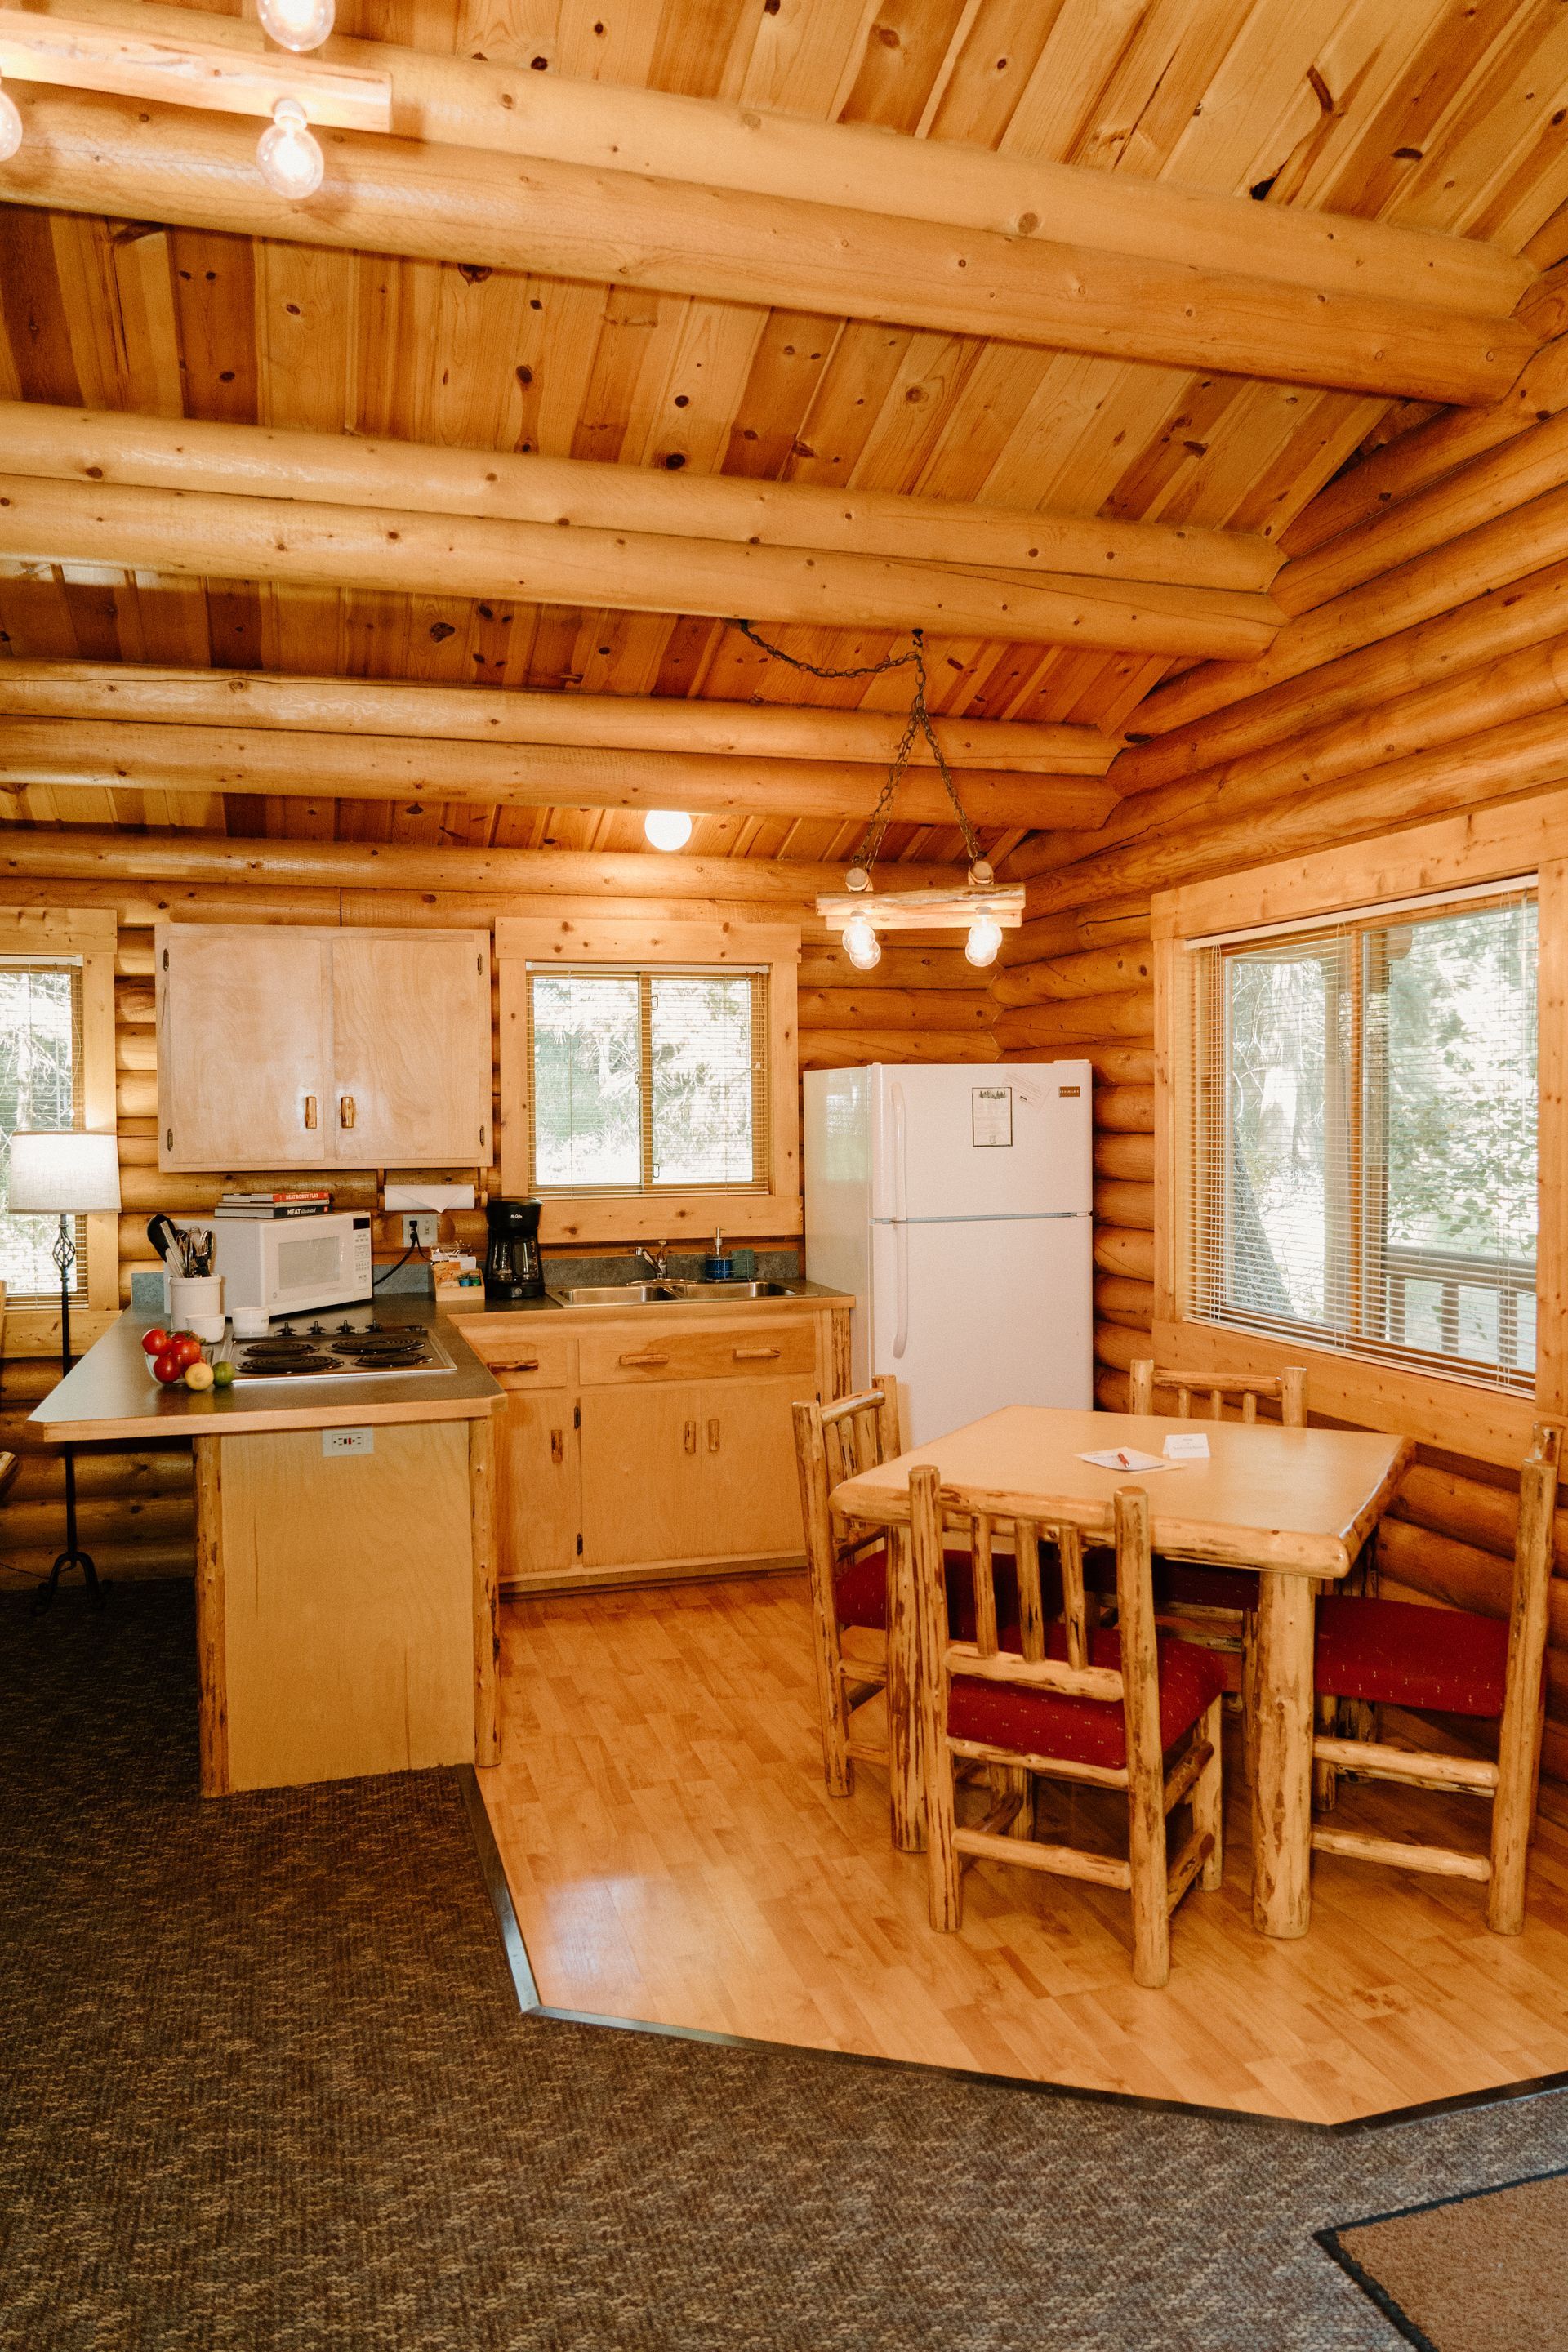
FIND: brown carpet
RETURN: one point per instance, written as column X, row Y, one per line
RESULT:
column 1482, row 2273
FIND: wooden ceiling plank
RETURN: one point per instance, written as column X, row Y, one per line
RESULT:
column 91, row 153
column 183, row 70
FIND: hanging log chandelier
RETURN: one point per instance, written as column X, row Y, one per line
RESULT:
column 983, row 911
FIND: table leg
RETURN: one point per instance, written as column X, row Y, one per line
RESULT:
column 1282, row 1767
column 905, row 1773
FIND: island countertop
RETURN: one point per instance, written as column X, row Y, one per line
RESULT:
column 111, row 1392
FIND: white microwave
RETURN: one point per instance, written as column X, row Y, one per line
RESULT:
column 290, row 1265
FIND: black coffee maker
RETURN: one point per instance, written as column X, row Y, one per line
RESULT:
column 513, row 1265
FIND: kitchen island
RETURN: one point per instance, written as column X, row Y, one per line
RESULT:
column 346, row 1555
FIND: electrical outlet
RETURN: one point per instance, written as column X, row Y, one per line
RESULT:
column 421, row 1229
column 348, row 1441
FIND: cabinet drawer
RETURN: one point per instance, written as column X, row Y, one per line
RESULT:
column 631, row 1357
column 527, row 1361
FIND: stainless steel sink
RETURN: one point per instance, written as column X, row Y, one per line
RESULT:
column 620, row 1294
column 668, row 1294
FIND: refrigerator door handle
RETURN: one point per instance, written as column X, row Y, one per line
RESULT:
column 900, row 1164
column 901, row 1265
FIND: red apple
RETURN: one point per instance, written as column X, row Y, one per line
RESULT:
column 155, row 1340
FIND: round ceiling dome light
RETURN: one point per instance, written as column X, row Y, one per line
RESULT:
column 667, row 828
column 290, row 161
column 296, row 24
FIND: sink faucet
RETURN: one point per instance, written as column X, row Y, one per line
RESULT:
column 657, row 1258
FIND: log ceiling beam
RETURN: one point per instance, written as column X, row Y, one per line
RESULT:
column 125, row 691
column 100, row 754
column 83, row 853
column 202, row 535
column 266, row 461
column 125, row 158
column 652, row 134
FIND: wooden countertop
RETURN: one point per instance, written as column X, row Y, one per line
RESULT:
column 111, row 1393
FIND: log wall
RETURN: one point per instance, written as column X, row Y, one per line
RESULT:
column 1425, row 669
column 923, row 1002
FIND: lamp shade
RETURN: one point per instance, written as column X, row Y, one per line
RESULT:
column 68, row 1175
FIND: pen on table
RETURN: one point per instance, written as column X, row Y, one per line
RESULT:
column 1122, row 1459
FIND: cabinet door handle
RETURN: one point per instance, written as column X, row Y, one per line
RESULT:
column 309, row 1110
column 691, row 1437
column 346, row 1111
column 557, row 1446
column 753, row 1355
column 712, row 1437
column 529, row 1364
column 645, row 1362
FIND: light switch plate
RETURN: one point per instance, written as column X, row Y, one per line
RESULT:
column 348, row 1441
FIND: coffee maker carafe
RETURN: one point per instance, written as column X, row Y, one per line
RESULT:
column 513, row 1266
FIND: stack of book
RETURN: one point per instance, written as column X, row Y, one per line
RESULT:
column 314, row 1202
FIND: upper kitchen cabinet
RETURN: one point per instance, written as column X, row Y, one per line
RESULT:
column 295, row 1047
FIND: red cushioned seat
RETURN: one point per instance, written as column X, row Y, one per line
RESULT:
column 861, row 1595
column 1396, row 1654
column 1183, row 1583
column 1083, row 1731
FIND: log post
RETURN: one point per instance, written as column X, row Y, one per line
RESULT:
column 1282, row 1767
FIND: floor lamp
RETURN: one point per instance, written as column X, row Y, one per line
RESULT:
column 66, row 1176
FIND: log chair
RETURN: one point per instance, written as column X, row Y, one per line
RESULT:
column 1217, row 1607
column 1453, row 1662
column 1103, row 1708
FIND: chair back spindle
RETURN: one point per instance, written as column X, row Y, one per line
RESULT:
column 1288, row 1386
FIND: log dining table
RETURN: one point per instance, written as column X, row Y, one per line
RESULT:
column 1296, row 1504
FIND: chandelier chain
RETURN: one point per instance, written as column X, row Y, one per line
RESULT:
column 918, row 723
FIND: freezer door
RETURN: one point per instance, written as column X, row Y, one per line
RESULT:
column 974, row 1317
column 973, row 1140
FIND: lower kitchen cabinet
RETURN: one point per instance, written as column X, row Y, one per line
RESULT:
column 642, row 1497
column 632, row 1445
column 537, row 1482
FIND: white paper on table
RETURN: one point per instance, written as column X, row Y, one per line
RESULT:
column 1182, row 1447
column 1126, row 1457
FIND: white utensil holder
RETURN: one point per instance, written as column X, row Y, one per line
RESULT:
column 195, row 1304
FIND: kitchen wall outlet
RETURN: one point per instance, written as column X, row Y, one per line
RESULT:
column 421, row 1231
column 348, row 1441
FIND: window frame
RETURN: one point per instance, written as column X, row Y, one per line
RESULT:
column 1514, row 842
column 85, row 935
column 578, row 941
column 1356, row 1173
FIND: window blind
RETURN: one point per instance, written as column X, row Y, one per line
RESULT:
column 40, row 1088
column 648, row 1080
column 1360, row 1113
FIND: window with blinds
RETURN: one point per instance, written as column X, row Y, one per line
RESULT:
column 647, row 1080
column 40, row 1088
column 1363, row 1110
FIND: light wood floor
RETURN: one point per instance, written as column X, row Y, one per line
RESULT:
column 674, row 1857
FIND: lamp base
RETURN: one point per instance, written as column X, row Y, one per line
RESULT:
column 96, row 1592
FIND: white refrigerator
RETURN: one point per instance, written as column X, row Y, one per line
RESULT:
column 954, row 1201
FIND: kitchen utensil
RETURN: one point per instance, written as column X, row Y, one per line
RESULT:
column 513, row 1265
column 165, row 1237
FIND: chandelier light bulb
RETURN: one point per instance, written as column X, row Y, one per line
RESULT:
column 290, row 160
column 667, row 828
column 984, row 939
column 296, row 24
column 861, row 945
column 10, row 128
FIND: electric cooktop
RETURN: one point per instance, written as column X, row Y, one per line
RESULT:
column 340, row 1343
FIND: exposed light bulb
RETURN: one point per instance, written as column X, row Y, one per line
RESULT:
column 861, row 945
column 984, row 939
column 296, row 24
column 10, row 128
column 667, row 828
column 291, row 161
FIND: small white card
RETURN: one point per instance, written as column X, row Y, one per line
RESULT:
column 1125, row 1458
column 1181, row 1447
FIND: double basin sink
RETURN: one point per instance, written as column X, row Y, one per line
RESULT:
column 670, row 1294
